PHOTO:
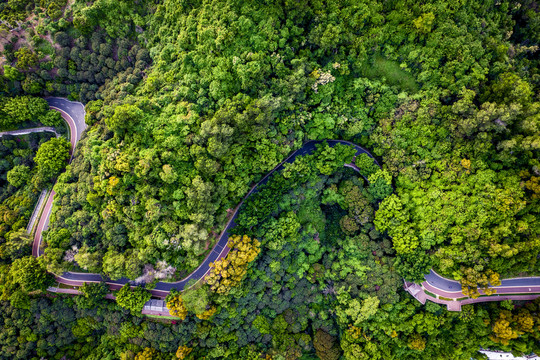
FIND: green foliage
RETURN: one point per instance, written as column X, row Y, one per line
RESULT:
column 380, row 184
column 19, row 175
column 27, row 274
column 444, row 93
column 85, row 334
column 424, row 23
column 261, row 324
column 196, row 300
column 52, row 118
column 132, row 299
column 25, row 58
column 125, row 117
column 12, row 73
column 16, row 110
column 92, row 295
column 92, row 108
column 393, row 218
column 391, row 73
column 18, row 245
column 57, row 238
column 353, row 311
column 17, row 203
column 366, row 164
column 326, row 346
column 329, row 159
column 51, row 158
column 118, row 18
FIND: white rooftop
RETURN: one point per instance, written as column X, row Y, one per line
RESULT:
column 493, row 355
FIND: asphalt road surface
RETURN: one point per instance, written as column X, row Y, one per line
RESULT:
column 73, row 114
column 444, row 287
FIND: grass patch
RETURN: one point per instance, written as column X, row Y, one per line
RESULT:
column 445, row 298
column 430, row 293
column 163, row 317
column 64, row 286
column 391, row 73
column 80, row 270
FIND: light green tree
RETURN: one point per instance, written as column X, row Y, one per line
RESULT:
column 18, row 175
column 51, row 158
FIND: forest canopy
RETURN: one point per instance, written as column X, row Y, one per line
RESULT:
column 189, row 104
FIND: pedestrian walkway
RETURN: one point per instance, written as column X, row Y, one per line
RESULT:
column 36, row 212
column 29, row 131
column 152, row 307
column 420, row 294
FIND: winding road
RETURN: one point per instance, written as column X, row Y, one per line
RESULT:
column 220, row 250
column 73, row 113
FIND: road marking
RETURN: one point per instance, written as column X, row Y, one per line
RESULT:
column 75, row 139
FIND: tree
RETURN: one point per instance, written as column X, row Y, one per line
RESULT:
column 28, row 273
column 114, row 264
column 417, row 342
column 510, row 88
column 132, row 299
column 228, row 272
column 23, row 108
column 125, row 117
column 502, row 329
column 393, row 218
column 353, row 310
column 92, row 295
column 168, row 174
column 32, row 84
column 92, row 109
column 380, row 184
column 326, row 346
column 283, row 230
column 183, row 351
column 18, row 244
column 62, row 38
column 57, row 238
column 366, row 164
column 26, row 58
column 424, row 23
column 52, row 118
column 146, row 354
column 51, row 158
column 329, row 159
column 175, row 304
column 196, row 299
column 18, row 175
column 20, row 299
column 473, row 279
column 359, row 210
column 12, row 73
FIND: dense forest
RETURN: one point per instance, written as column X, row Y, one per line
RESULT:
column 190, row 103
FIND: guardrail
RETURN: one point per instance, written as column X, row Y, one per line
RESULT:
column 37, row 210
